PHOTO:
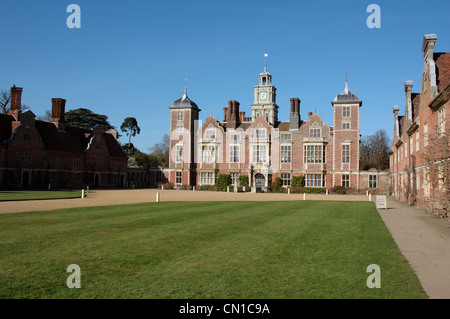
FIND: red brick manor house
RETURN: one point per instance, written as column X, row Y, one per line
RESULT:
column 420, row 154
column 263, row 148
column 34, row 154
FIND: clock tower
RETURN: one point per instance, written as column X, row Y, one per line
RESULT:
column 265, row 98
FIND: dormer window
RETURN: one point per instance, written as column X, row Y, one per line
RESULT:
column 210, row 134
column 261, row 133
column 314, row 132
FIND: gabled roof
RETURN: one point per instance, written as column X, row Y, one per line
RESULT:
column 72, row 140
column 442, row 60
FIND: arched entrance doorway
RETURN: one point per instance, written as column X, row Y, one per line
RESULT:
column 260, row 182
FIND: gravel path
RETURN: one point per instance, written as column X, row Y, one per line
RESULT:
column 121, row 197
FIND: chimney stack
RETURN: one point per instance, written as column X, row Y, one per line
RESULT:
column 408, row 108
column 58, row 110
column 225, row 110
column 233, row 114
column 428, row 45
column 294, row 117
column 16, row 102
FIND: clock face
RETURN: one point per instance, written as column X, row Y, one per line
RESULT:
column 263, row 96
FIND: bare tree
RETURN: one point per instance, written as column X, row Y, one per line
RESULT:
column 5, row 98
column 46, row 117
column 374, row 151
column 437, row 157
column 160, row 151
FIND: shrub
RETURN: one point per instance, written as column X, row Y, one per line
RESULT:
column 208, row 188
column 243, row 180
column 166, row 186
column 223, row 180
column 276, row 184
column 298, row 181
column 339, row 190
column 308, row 190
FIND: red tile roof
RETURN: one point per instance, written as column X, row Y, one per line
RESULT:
column 72, row 140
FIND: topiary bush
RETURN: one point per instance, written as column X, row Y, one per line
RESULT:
column 243, row 180
column 298, row 181
column 223, row 180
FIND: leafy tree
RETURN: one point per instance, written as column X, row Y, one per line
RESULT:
column 86, row 119
column 130, row 126
column 131, row 150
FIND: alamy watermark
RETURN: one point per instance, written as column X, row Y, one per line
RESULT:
column 74, row 280
column 74, row 19
column 374, row 280
column 374, row 20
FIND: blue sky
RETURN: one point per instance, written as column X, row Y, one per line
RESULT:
column 130, row 58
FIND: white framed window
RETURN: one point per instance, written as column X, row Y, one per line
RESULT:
column 417, row 141
column 314, row 132
column 425, row 134
column 346, row 153
column 180, row 116
column 372, row 181
column 235, row 138
column 209, row 154
column 286, row 136
column 285, row 179
column 346, row 111
column 234, row 153
column 314, row 180
column 178, row 178
column 346, row 125
column 285, row 153
column 346, row 181
column 259, row 154
column 210, row 134
column 314, row 153
column 441, row 122
column 261, row 133
column 207, row 178
column 180, row 128
column 179, row 153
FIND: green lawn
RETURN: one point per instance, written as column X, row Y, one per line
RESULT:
column 15, row 195
column 304, row 249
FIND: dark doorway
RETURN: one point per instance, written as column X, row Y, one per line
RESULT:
column 96, row 180
column 121, row 180
column 260, row 182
